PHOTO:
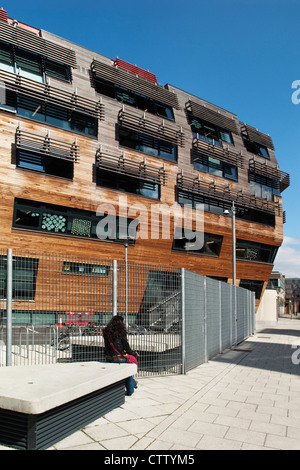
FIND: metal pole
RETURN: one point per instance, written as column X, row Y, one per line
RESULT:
column 126, row 284
column 9, row 309
column 183, row 346
column 115, row 289
column 233, row 245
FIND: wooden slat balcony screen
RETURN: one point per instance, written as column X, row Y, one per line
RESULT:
column 222, row 153
column 153, row 127
column 226, row 194
column 258, row 137
column 47, row 146
column 135, row 169
column 53, row 95
column 214, row 117
column 273, row 173
column 137, row 84
column 29, row 41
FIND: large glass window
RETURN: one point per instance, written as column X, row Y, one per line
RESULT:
column 59, row 220
column 127, row 184
column 124, row 95
column 44, row 164
column 262, row 187
column 216, row 206
column 252, row 251
column 253, row 285
column 209, row 132
column 54, row 115
column 24, row 272
column 214, row 166
column 30, row 65
column 146, row 144
column 210, row 244
column 255, row 148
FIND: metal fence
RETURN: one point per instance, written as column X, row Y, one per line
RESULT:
column 53, row 309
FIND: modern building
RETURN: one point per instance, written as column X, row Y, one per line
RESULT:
column 83, row 135
column 277, row 283
column 292, row 296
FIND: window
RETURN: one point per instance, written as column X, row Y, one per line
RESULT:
column 54, row 115
column 216, row 206
column 210, row 244
column 146, row 144
column 255, row 148
column 254, row 286
column 24, row 274
column 214, row 166
column 251, row 251
column 86, row 269
column 42, row 163
column 30, row 65
column 124, row 95
column 59, row 220
column 129, row 184
column 263, row 187
column 209, row 133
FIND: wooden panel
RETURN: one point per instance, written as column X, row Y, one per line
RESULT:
column 31, row 42
column 133, row 83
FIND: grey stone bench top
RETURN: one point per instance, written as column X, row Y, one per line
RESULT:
column 36, row 389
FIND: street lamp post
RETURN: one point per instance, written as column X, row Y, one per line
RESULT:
column 233, row 213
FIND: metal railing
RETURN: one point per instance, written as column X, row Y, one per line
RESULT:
column 53, row 308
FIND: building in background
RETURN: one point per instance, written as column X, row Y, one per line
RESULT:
column 79, row 130
column 277, row 283
column 292, row 296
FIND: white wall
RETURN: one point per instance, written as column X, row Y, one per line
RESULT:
column 267, row 310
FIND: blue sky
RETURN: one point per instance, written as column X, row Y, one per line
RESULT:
column 242, row 55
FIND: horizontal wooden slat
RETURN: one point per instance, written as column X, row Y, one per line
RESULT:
column 153, row 127
column 258, row 137
column 214, row 117
column 226, row 194
column 141, row 170
column 46, row 145
column 271, row 172
column 26, row 40
column 225, row 154
column 134, row 83
column 50, row 94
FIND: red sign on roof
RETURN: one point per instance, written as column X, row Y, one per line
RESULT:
column 122, row 64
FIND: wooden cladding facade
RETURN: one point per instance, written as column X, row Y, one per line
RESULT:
column 104, row 152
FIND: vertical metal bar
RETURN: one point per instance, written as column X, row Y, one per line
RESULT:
column 183, row 345
column 233, row 246
column 220, row 316
column 126, row 285
column 205, row 321
column 9, row 309
column 115, row 288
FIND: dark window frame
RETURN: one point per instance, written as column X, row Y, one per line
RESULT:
column 255, row 252
column 20, row 265
column 57, row 220
column 35, row 63
column 126, row 183
column 254, row 147
column 201, row 129
column 218, row 207
column 140, row 142
column 255, row 286
column 132, row 98
column 209, row 238
column 214, row 166
column 268, row 188
column 43, row 163
column 85, row 269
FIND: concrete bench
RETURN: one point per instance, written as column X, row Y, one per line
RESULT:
column 40, row 405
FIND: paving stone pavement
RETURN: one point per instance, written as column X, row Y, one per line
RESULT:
column 247, row 398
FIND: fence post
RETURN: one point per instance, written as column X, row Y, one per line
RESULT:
column 9, row 309
column 182, row 286
column 205, row 322
column 220, row 316
column 115, row 288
